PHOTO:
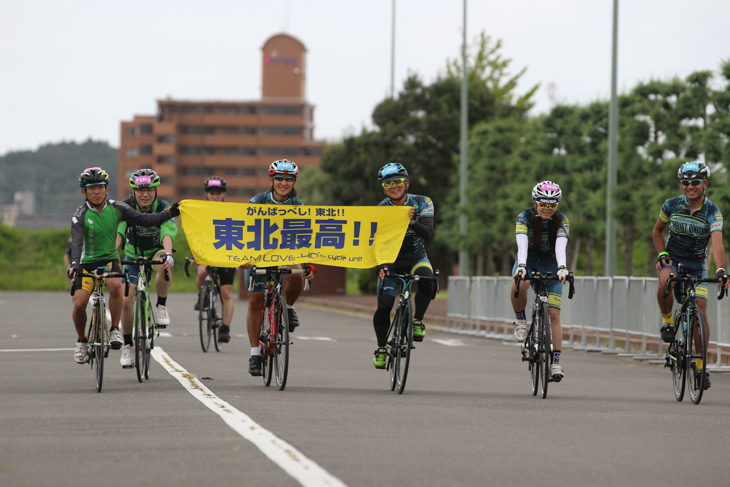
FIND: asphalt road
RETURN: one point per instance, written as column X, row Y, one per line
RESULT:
column 467, row 416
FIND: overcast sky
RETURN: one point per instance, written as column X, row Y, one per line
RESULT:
column 74, row 69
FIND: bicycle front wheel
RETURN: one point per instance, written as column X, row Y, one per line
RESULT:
column 696, row 351
column 405, row 345
column 545, row 349
column 99, row 336
column 393, row 339
column 140, row 308
column 678, row 366
column 149, row 340
column 266, row 342
column 216, row 306
column 203, row 322
column 532, row 350
column 281, row 344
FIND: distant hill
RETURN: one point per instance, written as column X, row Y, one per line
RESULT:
column 52, row 173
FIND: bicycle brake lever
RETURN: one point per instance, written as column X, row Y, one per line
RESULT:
column 518, row 278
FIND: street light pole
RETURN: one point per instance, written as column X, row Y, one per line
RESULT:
column 463, row 224
column 392, row 56
column 610, row 255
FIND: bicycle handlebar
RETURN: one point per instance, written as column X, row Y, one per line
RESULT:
column 414, row 277
column 695, row 279
column 94, row 274
column 273, row 271
column 144, row 261
column 547, row 277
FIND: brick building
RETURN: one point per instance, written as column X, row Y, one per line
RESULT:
column 190, row 140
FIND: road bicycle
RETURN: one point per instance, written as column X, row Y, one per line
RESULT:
column 537, row 347
column 691, row 344
column 274, row 338
column 400, row 332
column 97, row 334
column 145, row 327
column 210, row 307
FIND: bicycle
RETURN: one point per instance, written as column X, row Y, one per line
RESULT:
column 97, row 334
column 145, row 321
column 400, row 332
column 210, row 307
column 683, row 352
column 274, row 338
column 537, row 348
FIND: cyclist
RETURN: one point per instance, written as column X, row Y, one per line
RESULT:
column 215, row 190
column 93, row 230
column 411, row 259
column 693, row 221
column 283, row 176
column 542, row 237
column 151, row 242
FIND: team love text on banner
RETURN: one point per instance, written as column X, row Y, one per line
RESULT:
column 232, row 234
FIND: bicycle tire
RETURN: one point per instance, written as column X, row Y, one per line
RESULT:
column 139, row 303
column 545, row 349
column 98, row 318
column 203, row 320
column 678, row 366
column 535, row 331
column 217, row 307
column 405, row 347
column 149, row 340
column 281, row 348
column 393, row 355
column 267, row 361
column 696, row 378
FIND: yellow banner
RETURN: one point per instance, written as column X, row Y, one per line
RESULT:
column 231, row 234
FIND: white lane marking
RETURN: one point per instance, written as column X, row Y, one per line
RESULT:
column 14, row 336
column 291, row 460
column 450, row 342
column 165, row 334
column 318, row 339
column 36, row 350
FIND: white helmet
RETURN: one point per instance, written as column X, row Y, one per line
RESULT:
column 546, row 192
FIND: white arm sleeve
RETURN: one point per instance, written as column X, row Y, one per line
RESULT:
column 560, row 244
column 522, row 245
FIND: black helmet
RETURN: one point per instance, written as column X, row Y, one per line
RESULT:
column 392, row 170
column 693, row 170
column 215, row 183
column 144, row 178
column 93, row 176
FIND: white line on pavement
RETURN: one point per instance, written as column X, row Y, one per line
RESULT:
column 291, row 460
column 165, row 334
column 450, row 342
column 318, row 339
column 36, row 350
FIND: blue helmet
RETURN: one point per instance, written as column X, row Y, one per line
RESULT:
column 693, row 170
column 392, row 170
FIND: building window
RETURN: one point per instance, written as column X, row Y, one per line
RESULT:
column 280, row 130
column 279, row 151
column 247, row 109
column 229, row 110
column 166, row 139
column 264, row 171
column 242, row 130
column 168, row 180
column 241, row 171
column 311, row 151
column 189, row 150
column 132, row 152
column 190, row 191
column 145, row 149
column 166, row 160
column 280, row 110
column 132, row 131
column 245, row 192
column 241, row 151
column 146, row 129
column 186, row 109
column 208, row 151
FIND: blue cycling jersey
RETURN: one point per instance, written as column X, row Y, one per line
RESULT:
column 689, row 233
column 547, row 250
column 412, row 243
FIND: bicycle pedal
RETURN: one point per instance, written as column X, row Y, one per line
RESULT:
column 161, row 327
column 413, row 347
column 525, row 359
column 128, row 366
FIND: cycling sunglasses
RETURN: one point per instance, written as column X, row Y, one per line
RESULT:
column 552, row 206
column 288, row 179
column 694, row 182
column 393, row 182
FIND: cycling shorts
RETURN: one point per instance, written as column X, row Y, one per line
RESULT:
column 226, row 275
column 693, row 268
column 554, row 288
column 153, row 254
column 409, row 266
column 88, row 282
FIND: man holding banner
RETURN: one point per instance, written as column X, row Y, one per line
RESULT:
column 411, row 258
column 283, row 176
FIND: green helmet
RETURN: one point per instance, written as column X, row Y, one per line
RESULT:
column 144, row 178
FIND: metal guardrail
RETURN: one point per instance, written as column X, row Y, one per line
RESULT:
column 604, row 311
